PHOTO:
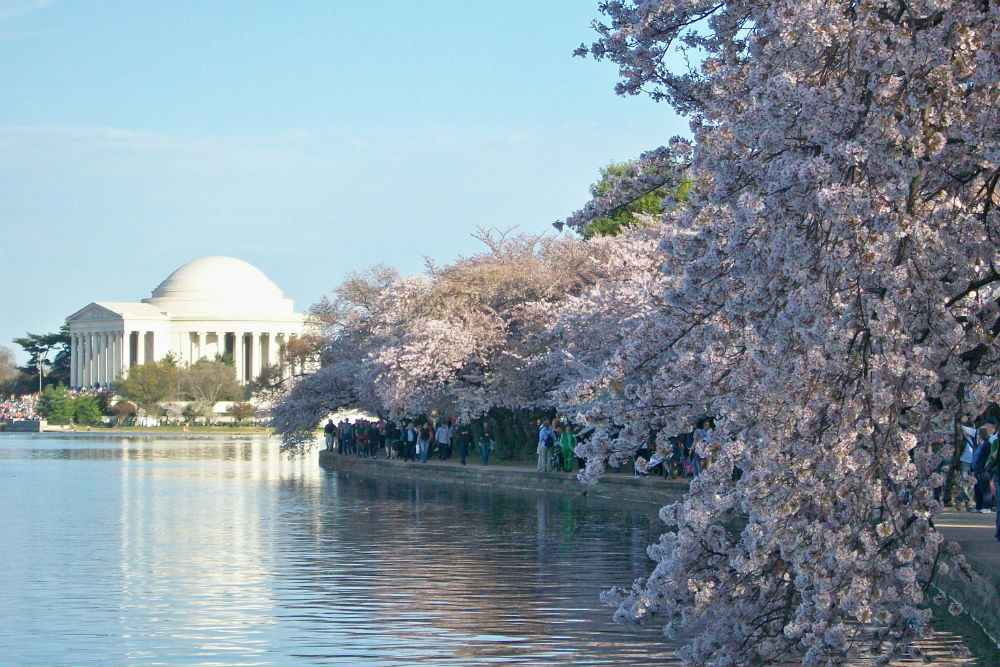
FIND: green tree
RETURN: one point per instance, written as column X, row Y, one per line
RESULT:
column 86, row 410
column 43, row 347
column 208, row 382
column 56, row 405
column 148, row 384
column 650, row 203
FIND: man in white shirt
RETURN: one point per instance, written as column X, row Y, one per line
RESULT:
column 443, row 438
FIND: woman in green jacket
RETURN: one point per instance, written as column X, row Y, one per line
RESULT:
column 568, row 443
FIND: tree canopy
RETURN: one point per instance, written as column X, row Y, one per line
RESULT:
column 56, row 405
column 831, row 296
column 628, row 213
column 148, row 384
column 53, row 349
column 209, row 381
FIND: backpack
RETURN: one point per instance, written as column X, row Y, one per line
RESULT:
column 550, row 439
column 991, row 460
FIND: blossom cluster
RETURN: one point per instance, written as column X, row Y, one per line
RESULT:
column 830, row 293
column 509, row 328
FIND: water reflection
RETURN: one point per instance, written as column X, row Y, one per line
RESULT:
column 198, row 551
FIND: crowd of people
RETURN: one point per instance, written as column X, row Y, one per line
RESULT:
column 690, row 454
column 422, row 440
column 19, row 407
column 556, row 445
column 979, row 460
column 407, row 441
column 25, row 406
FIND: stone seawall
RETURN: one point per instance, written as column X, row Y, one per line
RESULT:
column 655, row 491
column 23, row 425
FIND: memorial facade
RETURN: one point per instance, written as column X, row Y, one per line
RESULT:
column 210, row 306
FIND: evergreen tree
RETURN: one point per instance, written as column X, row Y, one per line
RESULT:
column 86, row 410
column 40, row 347
column 56, row 405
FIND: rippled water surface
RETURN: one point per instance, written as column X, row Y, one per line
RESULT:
column 213, row 551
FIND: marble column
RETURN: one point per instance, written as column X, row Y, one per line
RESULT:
column 88, row 356
column 116, row 355
column 81, row 351
column 111, row 357
column 98, row 357
column 106, row 357
column 95, row 373
column 102, row 357
column 238, row 356
column 202, row 352
column 72, row 360
column 102, row 369
column 126, row 350
column 112, row 339
column 272, row 349
column 256, row 348
column 84, row 350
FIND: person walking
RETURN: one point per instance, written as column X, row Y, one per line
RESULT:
column 568, row 443
column 965, row 464
column 424, row 441
column 485, row 444
column 702, row 446
column 410, row 443
column 442, row 436
column 981, row 492
column 329, row 431
column 546, row 439
column 463, row 435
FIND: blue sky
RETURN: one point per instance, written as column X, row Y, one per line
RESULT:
column 307, row 138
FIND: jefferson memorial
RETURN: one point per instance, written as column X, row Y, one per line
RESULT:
column 213, row 305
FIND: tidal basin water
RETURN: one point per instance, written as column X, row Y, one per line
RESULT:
column 202, row 551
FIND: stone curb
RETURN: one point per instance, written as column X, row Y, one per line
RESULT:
column 655, row 491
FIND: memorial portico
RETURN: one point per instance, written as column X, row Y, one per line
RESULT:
column 211, row 306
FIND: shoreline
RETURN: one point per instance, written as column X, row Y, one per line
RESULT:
column 654, row 491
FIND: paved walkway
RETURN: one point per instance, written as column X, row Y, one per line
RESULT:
column 975, row 533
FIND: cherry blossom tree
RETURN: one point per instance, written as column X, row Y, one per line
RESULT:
column 476, row 339
column 347, row 322
column 830, row 295
column 464, row 338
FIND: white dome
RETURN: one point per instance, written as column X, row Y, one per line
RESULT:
column 221, row 287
